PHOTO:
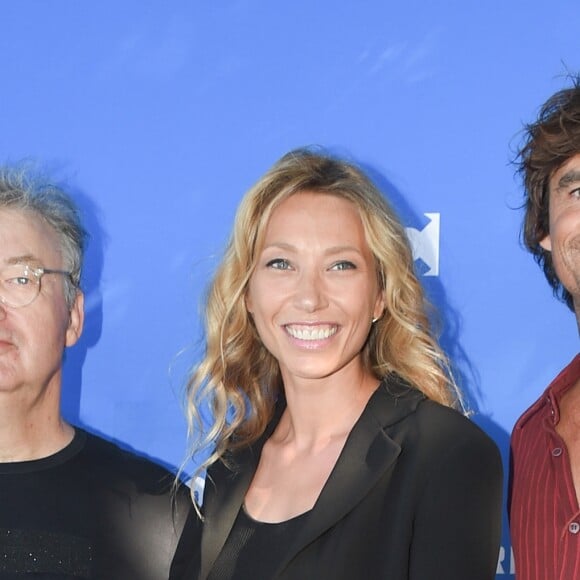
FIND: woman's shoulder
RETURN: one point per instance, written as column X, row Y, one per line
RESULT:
column 445, row 422
column 407, row 410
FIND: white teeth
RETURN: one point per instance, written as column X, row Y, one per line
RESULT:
column 311, row 332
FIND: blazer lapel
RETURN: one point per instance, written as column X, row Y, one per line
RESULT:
column 367, row 454
column 221, row 505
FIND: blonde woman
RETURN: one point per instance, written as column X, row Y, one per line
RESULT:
column 337, row 451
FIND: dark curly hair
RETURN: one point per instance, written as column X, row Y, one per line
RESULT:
column 548, row 143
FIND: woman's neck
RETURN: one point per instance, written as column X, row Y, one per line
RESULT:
column 321, row 410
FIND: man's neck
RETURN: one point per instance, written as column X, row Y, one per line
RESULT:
column 31, row 432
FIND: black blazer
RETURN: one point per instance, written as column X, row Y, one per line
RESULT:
column 415, row 494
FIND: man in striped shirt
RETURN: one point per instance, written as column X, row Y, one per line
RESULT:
column 545, row 477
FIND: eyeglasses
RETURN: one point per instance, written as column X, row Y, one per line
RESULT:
column 20, row 284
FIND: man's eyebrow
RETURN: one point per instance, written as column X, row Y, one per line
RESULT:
column 24, row 259
column 570, row 177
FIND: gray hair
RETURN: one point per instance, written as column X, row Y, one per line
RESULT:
column 23, row 189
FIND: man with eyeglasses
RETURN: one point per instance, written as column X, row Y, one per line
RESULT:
column 72, row 505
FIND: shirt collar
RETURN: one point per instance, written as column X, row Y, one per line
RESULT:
column 552, row 395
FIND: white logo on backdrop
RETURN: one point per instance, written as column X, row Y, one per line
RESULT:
column 425, row 243
column 506, row 561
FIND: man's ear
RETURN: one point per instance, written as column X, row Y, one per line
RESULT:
column 546, row 243
column 76, row 319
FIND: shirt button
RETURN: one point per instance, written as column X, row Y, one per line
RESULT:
column 557, row 451
column 574, row 527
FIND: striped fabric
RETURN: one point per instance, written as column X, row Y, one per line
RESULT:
column 544, row 511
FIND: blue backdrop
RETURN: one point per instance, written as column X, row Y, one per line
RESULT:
column 159, row 115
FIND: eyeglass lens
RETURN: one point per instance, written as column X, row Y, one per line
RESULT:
column 19, row 285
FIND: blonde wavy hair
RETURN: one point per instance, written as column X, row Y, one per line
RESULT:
column 238, row 378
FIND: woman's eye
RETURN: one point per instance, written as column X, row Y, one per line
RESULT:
column 575, row 193
column 344, row 265
column 278, row 264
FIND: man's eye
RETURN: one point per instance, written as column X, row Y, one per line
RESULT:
column 278, row 264
column 575, row 193
column 344, row 265
column 19, row 281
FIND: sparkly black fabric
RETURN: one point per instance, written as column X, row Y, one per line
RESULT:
column 30, row 552
column 91, row 511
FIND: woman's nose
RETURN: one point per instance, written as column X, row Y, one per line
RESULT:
column 310, row 293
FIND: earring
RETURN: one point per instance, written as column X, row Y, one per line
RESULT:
column 375, row 319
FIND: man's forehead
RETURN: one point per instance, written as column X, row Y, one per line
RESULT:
column 567, row 173
column 26, row 238
column 18, row 215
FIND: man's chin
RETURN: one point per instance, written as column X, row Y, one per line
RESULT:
column 8, row 381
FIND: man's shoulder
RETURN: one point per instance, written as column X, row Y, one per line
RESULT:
column 141, row 507
column 565, row 378
column 531, row 413
column 109, row 460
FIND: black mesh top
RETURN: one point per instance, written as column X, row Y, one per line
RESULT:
column 253, row 549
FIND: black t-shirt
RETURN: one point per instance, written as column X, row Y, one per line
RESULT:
column 90, row 511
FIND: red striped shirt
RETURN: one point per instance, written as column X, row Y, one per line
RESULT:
column 544, row 511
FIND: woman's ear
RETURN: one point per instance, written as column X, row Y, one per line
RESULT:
column 248, row 302
column 379, row 308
